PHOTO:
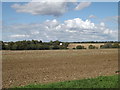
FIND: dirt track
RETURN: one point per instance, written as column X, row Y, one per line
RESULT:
column 26, row 67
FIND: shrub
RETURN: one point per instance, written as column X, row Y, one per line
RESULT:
column 107, row 45
column 73, row 48
column 92, row 47
column 55, row 47
column 80, row 47
column 116, row 45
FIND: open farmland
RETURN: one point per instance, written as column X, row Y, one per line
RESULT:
column 86, row 45
column 44, row 66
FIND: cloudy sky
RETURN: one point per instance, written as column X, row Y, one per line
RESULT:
column 64, row 21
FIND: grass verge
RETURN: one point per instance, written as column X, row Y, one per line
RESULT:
column 98, row 82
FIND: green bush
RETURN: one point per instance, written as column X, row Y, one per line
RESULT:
column 33, row 45
column 55, row 47
column 116, row 45
column 80, row 47
column 107, row 45
column 73, row 48
column 92, row 47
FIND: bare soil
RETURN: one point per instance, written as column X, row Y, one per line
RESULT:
column 45, row 66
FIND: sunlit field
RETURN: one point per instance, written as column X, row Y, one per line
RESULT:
column 48, row 66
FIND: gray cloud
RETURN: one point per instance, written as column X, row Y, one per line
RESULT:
column 48, row 7
column 42, row 8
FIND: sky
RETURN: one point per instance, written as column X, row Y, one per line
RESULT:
column 64, row 21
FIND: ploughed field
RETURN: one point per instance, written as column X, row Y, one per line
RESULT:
column 45, row 66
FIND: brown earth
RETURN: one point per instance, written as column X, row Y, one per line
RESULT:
column 30, row 67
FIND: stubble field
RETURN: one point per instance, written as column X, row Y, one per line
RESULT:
column 44, row 66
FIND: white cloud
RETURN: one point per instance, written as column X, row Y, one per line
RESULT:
column 70, row 30
column 45, row 7
column 79, row 23
column 19, row 36
column 82, row 5
column 51, row 23
column 102, row 24
column 35, row 32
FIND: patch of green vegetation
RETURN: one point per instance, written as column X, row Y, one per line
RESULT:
column 80, row 47
column 99, row 82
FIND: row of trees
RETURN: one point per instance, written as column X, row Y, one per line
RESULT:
column 82, row 47
column 97, row 42
column 33, row 45
column 106, row 45
column 110, row 45
column 39, row 45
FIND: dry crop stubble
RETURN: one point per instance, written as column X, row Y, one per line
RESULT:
column 45, row 66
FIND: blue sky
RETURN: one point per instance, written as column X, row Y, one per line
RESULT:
column 99, row 9
column 101, row 14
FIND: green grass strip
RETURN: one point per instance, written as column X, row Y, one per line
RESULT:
column 98, row 82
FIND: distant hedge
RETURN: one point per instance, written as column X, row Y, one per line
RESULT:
column 33, row 45
column 80, row 47
column 52, row 45
column 106, row 45
column 110, row 45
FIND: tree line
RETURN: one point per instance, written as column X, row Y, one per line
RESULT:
column 106, row 45
column 97, row 42
column 33, row 45
column 52, row 45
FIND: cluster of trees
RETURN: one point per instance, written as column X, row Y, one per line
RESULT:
column 52, row 45
column 97, row 42
column 33, row 45
column 82, row 47
column 110, row 45
column 106, row 45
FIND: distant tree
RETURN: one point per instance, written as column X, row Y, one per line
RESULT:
column 10, row 44
column 116, row 45
column 1, row 44
column 73, row 48
column 107, row 45
column 40, row 41
column 80, row 47
column 46, row 47
column 56, row 42
column 65, row 44
column 14, row 47
column 91, row 47
column 51, row 42
column 32, row 47
column 55, row 47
